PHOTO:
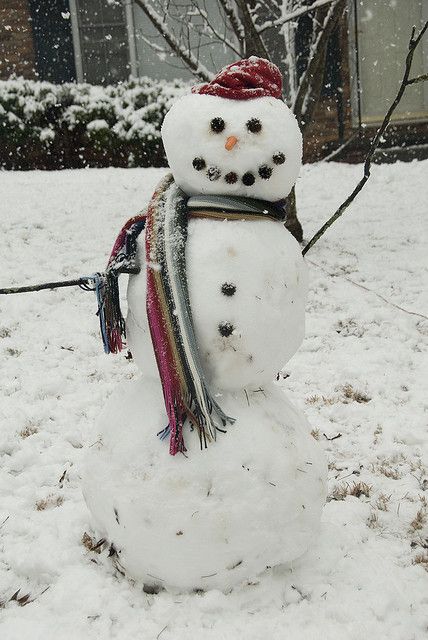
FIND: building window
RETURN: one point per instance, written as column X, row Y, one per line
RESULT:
column 52, row 40
column 101, row 40
column 382, row 32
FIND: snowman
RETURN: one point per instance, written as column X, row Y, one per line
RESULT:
column 204, row 474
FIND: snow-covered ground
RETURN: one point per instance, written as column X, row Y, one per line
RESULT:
column 360, row 376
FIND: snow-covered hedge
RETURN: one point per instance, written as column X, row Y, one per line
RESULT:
column 48, row 126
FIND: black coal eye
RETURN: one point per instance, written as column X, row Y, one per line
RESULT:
column 217, row 125
column 254, row 125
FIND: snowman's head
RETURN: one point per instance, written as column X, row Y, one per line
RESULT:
column 235, row 136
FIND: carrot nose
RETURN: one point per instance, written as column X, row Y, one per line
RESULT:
column 230, row 142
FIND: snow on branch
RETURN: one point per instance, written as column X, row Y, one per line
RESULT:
column 254, row 45
column 293, row 15
column 160, row 51
column 189, row 58
column 234, row 20
column 268, row 5
column 203, row 13
column 413, row 43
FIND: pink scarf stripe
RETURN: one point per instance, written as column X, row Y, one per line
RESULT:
column 163, row 342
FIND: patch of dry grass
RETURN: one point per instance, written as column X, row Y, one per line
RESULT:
column 92, row 544
column 422, row 559
column 353, row 395
column 389, row 472
column 28, row 431
column 321, row 400
column 346, row 394
column 390, row 467
column 49, row 502
column 419, row 520
column 377, row 433
column 357, row 489
column 373, row 521
column 382, row 502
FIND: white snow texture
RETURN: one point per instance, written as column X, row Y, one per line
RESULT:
column 360, row 374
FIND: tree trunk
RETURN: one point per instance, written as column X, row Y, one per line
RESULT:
column 311, row 83
column 253, row 43
column 308, row 97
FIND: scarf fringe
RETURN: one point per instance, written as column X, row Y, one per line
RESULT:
column 123, row 259
column 182, row 405
column 112, row 322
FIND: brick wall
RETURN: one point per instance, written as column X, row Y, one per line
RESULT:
column 16, row 39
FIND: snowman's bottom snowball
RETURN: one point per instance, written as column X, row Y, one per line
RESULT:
column 214, row 518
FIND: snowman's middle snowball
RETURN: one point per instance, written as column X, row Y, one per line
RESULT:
column 266, row 309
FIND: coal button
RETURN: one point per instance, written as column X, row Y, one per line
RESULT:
column 228, row 289
column 225, row 329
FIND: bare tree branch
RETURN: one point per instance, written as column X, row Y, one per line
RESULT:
column 291, row 54
column 254, row 45
column 418, row 79
column 186, row 54
column 413, row 43
column 270, row 6
column 204, row 15
column 375, row 293
column 293, row 16
column 47, row 285
column 235, row 23
column 84, row 283
column 160, row 51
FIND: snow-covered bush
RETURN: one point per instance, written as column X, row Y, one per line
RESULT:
column 47, row 126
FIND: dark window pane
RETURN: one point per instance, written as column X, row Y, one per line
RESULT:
column 113, row 12
column 90, row 12
column 52, row 40
column 103, row 41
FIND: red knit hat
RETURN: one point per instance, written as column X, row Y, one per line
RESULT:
column 245, row 79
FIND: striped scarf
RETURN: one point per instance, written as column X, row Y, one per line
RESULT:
column 185, row 390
